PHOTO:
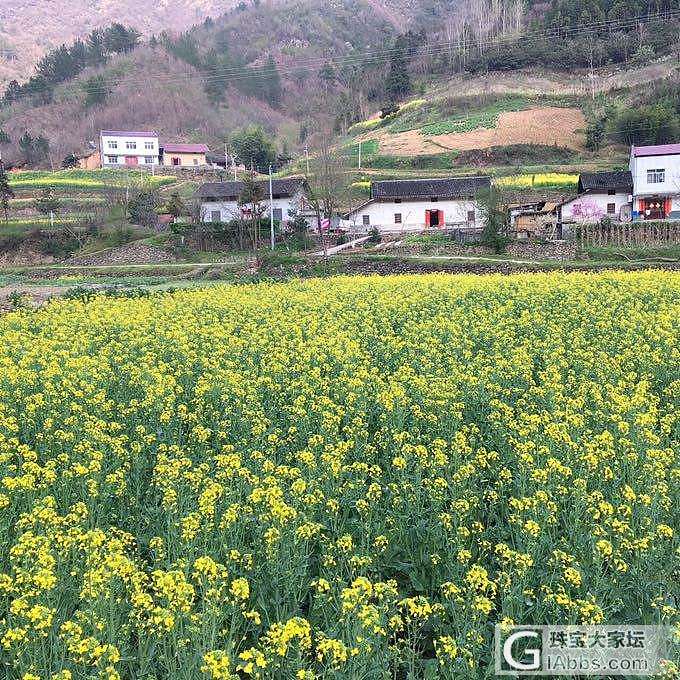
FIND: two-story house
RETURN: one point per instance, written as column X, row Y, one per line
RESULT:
column 128, row 148
column 656, row 182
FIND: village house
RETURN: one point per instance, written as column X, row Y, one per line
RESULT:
column 128, row 148
column 416, row 205
column 220, row 200
column 184, row 155
column 656, row 180
column 533, row 220
column 599, row 195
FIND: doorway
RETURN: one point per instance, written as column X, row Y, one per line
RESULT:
column 434, row 218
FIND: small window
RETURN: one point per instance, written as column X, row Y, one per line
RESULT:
column 657, row 176
column 148, row 160
column 366, row 220
column 278, row 214
column 148, row 146
column 471, row 217
column 611, row 208
column 112, row 159
column 195, row 161
column 434, row 199
column 130, row 145
column 113, row 145
column 215, row 216
column 397, row 218
column 612, row 192
column 397, row 200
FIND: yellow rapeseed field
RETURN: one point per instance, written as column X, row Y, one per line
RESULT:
column 349, row 478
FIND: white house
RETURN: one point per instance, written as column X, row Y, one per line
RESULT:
column 414, row 205
column 219, row 200
column 656, row 181
column 599, row 195
column 128, row 148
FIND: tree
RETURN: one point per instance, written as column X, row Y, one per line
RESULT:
column 176, row 206
column 254, row 148
column 326, row 185
column 34, row 149
column 398, row 83
column 6, row 192
column 271, row 82
column 96, row 90
column 118, row 39
column 4, row 137
column 48, row 203
column 495, row 216
column 144, row 206
column 250, row 199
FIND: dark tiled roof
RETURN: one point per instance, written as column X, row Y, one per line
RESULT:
column 232, row 190
column 592, row 181
column 452, row 187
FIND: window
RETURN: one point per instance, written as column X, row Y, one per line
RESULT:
column 657, row 176
column 471, row 217
column 113, row 145
column 195, row 161
column 397, row 200
column 177, row 161
column 366, row 219
column 148, row 160
column 611, row 208
column 612, row 192
column 112, row 159
column 278, row 214
column 434, row 199
column 397, row 218
column 131, row 145
column 148, row 146
column 215, row 216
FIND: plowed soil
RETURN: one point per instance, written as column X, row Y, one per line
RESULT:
column 550, row 126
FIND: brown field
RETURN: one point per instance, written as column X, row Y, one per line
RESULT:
column 550, row 126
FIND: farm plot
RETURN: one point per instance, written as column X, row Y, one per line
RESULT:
column 347, row 478
column 83, row 180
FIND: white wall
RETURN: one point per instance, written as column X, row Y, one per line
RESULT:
column 141, row 152
column 381, row 214
column 670, row 163
column 592, row 207
column 230, row 210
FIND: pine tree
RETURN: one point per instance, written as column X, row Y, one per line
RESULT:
column 398, row 83
column 271, row 82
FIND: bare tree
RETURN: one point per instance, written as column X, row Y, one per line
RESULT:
column 327, row 186
column 251, row 197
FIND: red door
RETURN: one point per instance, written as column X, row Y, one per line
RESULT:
column 131, row 160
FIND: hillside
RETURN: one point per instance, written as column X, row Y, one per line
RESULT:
column 473, row 85
column 29, row 28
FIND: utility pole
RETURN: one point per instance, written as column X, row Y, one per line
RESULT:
column 359, row 155
column 271, row 207
column 307, row 157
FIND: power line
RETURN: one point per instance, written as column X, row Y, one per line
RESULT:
column 236, row 73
